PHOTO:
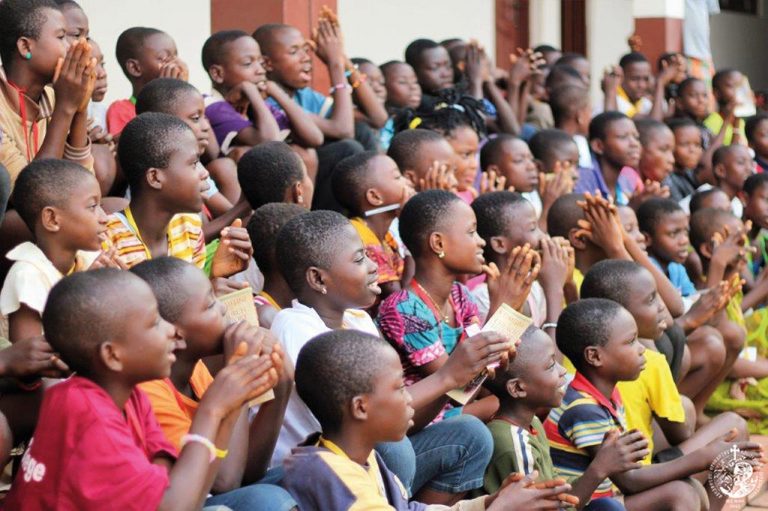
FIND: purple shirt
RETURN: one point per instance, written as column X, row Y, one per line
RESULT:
column 227, row 122
column 591, row 180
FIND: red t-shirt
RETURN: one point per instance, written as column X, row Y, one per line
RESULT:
column 86, row 455
column 120, row 113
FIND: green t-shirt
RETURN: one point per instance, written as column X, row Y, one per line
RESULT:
column 517, row 449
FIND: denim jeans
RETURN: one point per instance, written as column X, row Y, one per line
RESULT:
column 605, row 504
column 449, row 456
column 264, row 495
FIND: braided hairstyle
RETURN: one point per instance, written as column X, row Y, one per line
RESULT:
column 450, row 111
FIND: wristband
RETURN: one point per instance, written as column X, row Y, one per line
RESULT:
column 549, row 325
column 214, row 452
column 340, row 86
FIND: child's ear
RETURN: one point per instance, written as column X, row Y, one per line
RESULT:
column 539, row 165
column 316, row 279
column 295, row 194
column 705, row 249
column 577, row 242
column 648, row 239
column 24, row 46
column 411, row 176
column 110, row 356
column 493, row 168
column 267, row 63
column 373, row 197
column 358, row 407
column 719, row 171
column 592, row 356
column 516, row 388
column 436, row 244
column 216, row 72
column 500, row 244
column 49, row 218
column 154, row 178
column 133, row 68
column 596, row 145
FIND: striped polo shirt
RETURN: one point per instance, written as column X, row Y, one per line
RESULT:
column 581, row 421
column 185, row 239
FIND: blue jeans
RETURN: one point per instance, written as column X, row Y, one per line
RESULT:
column 449, row 456
column 264, row 496
column 605, row 504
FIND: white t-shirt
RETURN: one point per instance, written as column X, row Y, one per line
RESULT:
column 585, row 154
column 535, row 199
column 295, row 327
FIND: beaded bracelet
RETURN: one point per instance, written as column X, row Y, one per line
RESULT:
column 214, row 452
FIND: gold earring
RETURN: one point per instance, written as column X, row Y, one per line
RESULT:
column 441, row 254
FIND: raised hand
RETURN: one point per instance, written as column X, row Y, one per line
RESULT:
column 555, row 264
column 75, row 77
column 512, row 284
column 175, row 68
column 602, row 226
column 439, row 177
column 710, row 302
column 328, row 43
column 612, row 77
column 492, row 182
column 108, row 259
column 234, row 252
column 245, row 377
column 555, row 185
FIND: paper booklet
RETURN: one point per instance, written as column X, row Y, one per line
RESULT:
column 240, row 307
column 506, row 321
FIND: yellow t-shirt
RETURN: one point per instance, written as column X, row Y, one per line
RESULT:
column 654, row 393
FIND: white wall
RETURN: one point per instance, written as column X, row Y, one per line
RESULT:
column 544, row 23
column 739, row 41
column 187, row 21
column 381, row 29
column 609, row 25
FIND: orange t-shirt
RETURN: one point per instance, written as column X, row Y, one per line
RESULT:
column 173, row 410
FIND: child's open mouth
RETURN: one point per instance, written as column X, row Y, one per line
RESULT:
column 373, row 286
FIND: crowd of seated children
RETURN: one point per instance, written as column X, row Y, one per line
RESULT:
column 380, row 228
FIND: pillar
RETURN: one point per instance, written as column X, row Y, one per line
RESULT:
column 659, row 23
column 247, row 15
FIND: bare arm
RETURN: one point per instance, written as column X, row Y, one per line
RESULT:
column 341, row 123
column 367, row 100
column 304, row 130
column 265, row 126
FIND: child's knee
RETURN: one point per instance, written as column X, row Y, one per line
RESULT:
column 731, row 421
column 711, row 341
column 733, row 336
column 682, row 495
column 690, row 412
